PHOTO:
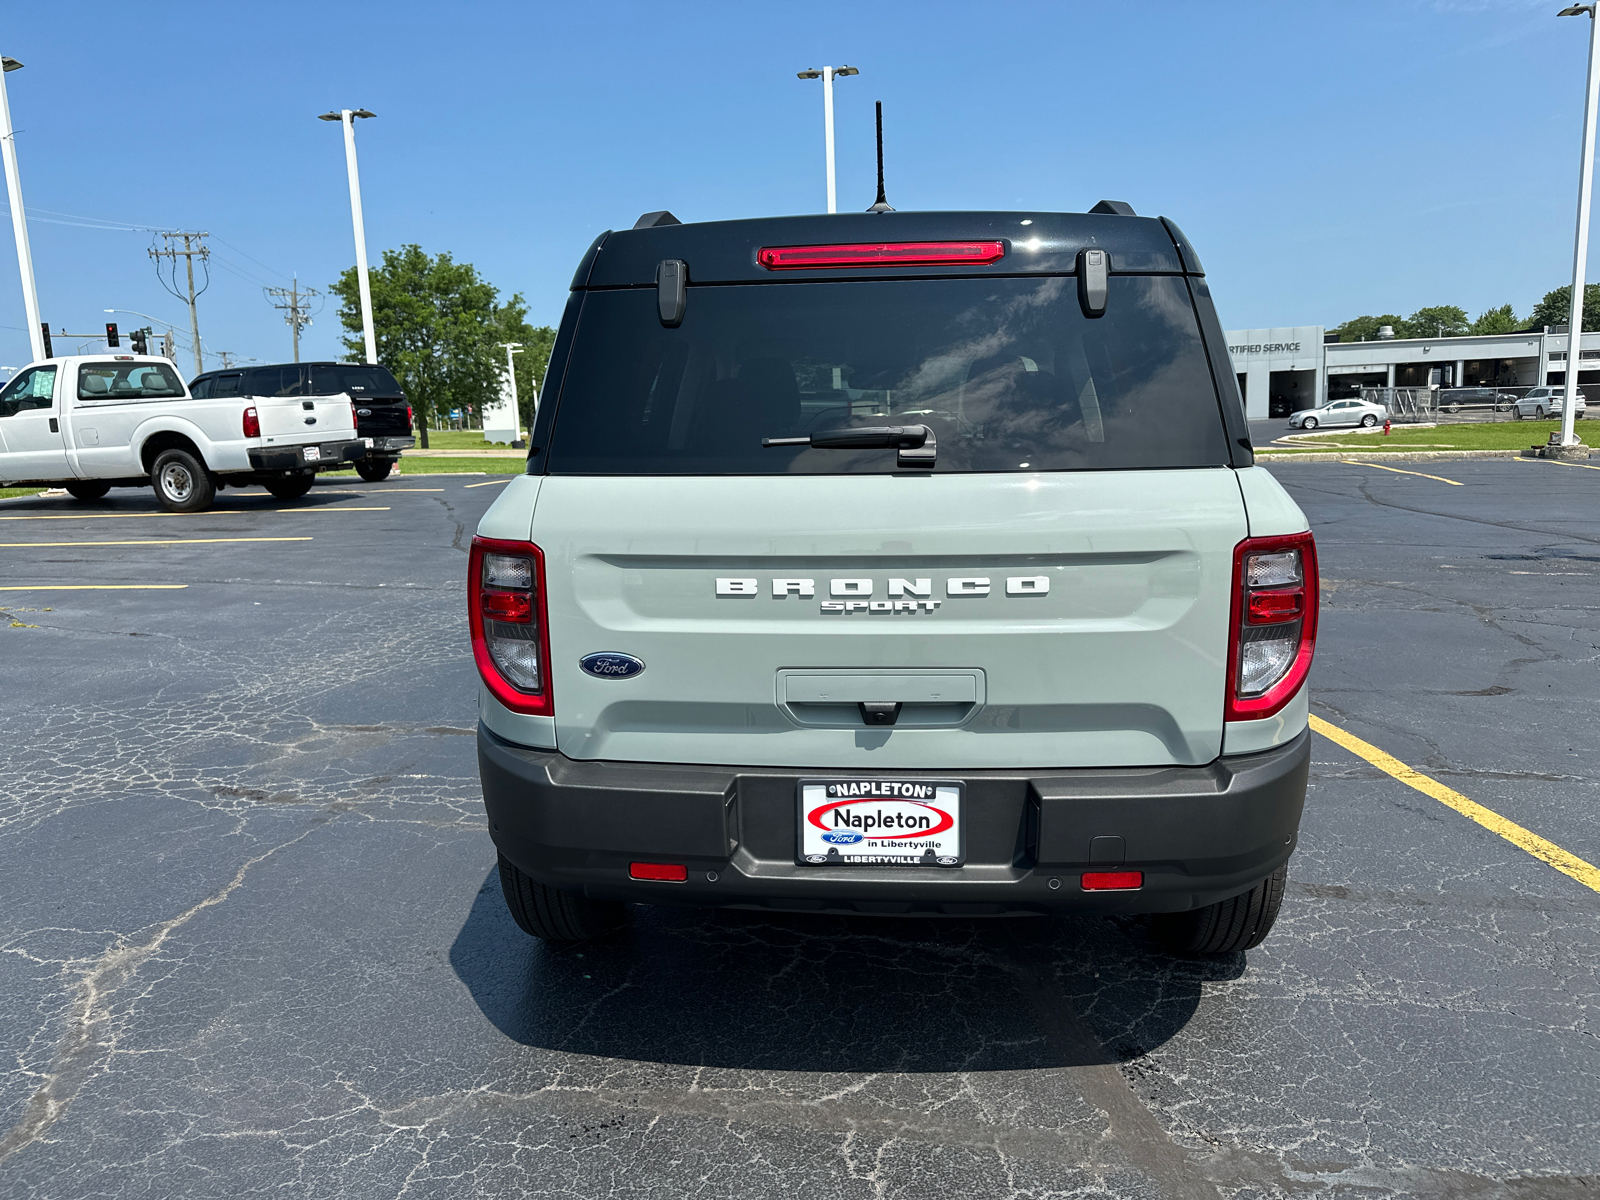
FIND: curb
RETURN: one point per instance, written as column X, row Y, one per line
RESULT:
column 1383, row 456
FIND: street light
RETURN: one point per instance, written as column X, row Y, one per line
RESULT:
column 19, row 221
column 346, row 117
column 827, row 75
column 513, row 348
column 1580, row 249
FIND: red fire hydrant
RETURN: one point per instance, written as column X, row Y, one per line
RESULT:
column 1386, row 427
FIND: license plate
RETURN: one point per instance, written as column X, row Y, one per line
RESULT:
column 880, row 822
column 368, row 441
column 313, row 453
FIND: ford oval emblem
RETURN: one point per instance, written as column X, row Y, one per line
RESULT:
column 610, row 666
column 842, row 837
column 363, row 412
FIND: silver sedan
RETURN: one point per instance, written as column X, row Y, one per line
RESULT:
column 1339, row 412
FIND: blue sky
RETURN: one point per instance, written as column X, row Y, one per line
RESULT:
column 1325, row 159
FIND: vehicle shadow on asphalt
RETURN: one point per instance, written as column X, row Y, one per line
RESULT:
column 789, row 992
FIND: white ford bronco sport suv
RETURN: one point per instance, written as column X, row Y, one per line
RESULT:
column 894, row 563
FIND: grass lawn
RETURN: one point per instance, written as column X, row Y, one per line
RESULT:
column 411, row 465
column 1502, row 435
column 460, row 439
column 7, row 493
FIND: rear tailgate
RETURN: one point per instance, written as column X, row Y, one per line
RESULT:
column 1046, row 620
column 293, row 420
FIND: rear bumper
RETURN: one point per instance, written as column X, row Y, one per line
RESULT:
column 392, row 445
column 293, row 458
column 1199, row 834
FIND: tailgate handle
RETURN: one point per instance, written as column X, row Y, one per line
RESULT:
column 874, row 713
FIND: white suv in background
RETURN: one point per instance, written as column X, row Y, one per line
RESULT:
column 1544, row 402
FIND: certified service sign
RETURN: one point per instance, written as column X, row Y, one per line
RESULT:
column 880, row 822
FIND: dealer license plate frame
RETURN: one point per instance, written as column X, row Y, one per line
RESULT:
column 810, row 851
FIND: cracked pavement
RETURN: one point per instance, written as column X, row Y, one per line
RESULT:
column 253, row 944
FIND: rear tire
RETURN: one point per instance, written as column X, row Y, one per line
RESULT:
column 86, row 489
column 375, row 470
column 290, row 487
column 554, row 915
column 1538, row 412
column 181, row 482
column 1229, row 926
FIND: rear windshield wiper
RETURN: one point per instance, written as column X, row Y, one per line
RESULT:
column 915, row 443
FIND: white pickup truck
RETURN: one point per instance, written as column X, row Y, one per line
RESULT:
column 90, row 423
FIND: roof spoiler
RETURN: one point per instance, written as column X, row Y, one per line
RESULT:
column 653, row 219
column 1114, row 208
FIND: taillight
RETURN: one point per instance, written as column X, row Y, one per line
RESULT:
column 252, row 423
column 881, row 254
column 1273, row 629
column 408, row 418
column 352, row 415
column 507, row 615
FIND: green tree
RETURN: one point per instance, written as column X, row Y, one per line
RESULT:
column 436, row 324
column 1556, row 308
column 1497, row 320
column 511, row 325
column 1358, row 329
column 1441, row 320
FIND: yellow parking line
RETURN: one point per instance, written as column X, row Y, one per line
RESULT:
column 491, row 482
column 1398, row 471
column 1565, row 463
column 216, row 512
column 154, row 542
column 94, row 587
column 1546, row 851
column 338, row 508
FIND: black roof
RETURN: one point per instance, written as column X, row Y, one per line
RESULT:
column 268, row 366
column 1037, row 242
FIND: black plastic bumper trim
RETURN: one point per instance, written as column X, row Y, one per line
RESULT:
column 1199, row 834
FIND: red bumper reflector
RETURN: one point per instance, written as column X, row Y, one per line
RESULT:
column 1113, row 881
column 664, row 872
column 881, row 254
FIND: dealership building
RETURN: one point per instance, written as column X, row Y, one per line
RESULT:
column 1285, row 369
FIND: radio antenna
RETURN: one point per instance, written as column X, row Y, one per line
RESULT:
column 882, row 205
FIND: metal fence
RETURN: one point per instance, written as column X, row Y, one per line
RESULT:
column 1447, row 406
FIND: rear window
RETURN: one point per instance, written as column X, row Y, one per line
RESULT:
column 127, row 381
column 357, row 380
column 1008, row 373
column 273, row 381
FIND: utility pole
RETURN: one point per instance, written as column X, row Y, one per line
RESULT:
column 227, row 357
column 193, row 247
column 1580, row 250
column 19, row 222
column 169, row 347
column 294, row 311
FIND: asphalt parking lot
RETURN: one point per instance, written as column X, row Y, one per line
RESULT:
column 252, row 941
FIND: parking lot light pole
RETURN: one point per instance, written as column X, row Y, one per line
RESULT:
column 1580, row 250
column 346, row 117
column 19, row 221
column 512, row 349
column 828, row 75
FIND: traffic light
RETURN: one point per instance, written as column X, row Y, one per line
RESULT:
column 44, row 328
column 111, row 335
column 136, row 340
